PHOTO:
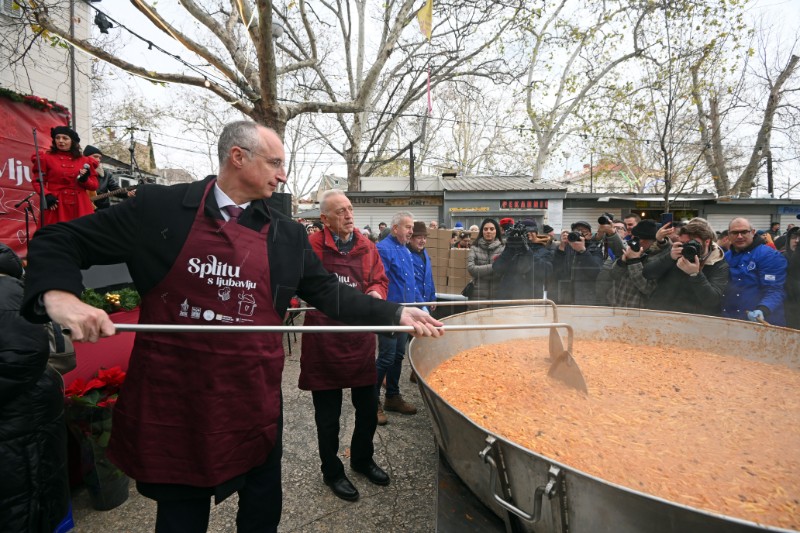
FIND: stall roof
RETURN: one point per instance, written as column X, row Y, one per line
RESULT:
column 495, row 183
column 656, row 198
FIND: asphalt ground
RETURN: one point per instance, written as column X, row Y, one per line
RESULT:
column 405, row 448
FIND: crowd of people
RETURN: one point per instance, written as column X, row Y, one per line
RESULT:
column 686, row 266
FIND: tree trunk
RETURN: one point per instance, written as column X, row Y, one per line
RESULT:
column 271, row 116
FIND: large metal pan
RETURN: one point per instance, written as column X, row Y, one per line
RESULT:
column 534, row 493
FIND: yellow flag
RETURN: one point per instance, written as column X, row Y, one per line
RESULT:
column 425, row 19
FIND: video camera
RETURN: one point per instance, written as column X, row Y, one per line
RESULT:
column 518, row 231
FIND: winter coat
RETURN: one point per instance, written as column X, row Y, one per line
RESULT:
column 342, row 360
column 678, row 291
column 480, row 261
column 106, row 182
column 629, row 286
column 399, row 268
column 758, row 274
column 34, row 491
column 576, row 274
column 423, row 276
column 523, row 270
column 792, row 303
column 60, row 175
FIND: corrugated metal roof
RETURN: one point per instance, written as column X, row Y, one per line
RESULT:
column 495, row 183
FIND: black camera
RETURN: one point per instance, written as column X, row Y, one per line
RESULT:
column 635, row 244
column 691, row 249
column 605, row 218
column 574, row 236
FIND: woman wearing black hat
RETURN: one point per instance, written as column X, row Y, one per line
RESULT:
column 67, row 175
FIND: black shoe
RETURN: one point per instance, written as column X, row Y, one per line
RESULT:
column 373, row 472
column 342, row 487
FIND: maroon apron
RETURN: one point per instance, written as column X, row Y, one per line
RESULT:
column 200, row 409
column 337, row 360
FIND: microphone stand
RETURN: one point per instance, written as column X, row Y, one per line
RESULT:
column 40, row 179
column 29, row 212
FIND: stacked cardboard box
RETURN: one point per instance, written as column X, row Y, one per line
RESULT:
column 457, row 276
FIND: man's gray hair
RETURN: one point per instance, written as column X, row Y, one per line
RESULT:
column 400, row 216
column 242, row 133
column 323, row 203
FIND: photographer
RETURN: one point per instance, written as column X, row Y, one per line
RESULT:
column 629, row 287
column 691, row 274
column 613, row 247
column 576, row 264
column 524, row 268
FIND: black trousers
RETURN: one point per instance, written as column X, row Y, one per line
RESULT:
column 328, row 410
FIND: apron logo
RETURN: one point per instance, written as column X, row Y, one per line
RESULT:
column 185, row 308
column 213, row 267
column 346, row 280
column 224, row 294
column 247, row 304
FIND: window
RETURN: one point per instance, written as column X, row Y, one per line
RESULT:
column 8, row 7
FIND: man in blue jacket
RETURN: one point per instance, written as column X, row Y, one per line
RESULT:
column 399, row 267
column 755, row 291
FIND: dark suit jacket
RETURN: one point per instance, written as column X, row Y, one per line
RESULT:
column 148, row 231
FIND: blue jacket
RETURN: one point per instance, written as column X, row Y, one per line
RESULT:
column 757, row 277
column 399, row 269
column 423, row 276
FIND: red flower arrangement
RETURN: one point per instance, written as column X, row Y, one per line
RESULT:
column 89, row 404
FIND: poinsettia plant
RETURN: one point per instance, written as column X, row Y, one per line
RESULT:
column 89, row 403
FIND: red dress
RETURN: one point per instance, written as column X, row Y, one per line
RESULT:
column 60, row 174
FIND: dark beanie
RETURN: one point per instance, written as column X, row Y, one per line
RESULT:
column 645, row 229
column 65, row 130
column 91, row 150
column 530, row 225
column 548, row 229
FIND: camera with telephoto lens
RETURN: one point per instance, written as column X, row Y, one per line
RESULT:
column 574, row 236
column 517, row 234
column 635, row 244
column 605, row 219
column 691, row 249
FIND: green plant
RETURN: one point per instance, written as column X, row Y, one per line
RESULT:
column 123, row 299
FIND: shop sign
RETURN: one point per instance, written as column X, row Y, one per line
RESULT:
column 395, row 201
column 523, row 204
column 467, row 209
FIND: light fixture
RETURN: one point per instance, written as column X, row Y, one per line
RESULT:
column 277, row 30
column 206, row 82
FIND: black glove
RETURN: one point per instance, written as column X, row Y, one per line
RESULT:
column 83, row 175
column 51, row 201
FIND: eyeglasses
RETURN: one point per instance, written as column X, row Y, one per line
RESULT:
column 739, row 233
column 276, row 162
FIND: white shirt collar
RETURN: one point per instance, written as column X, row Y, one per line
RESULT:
column 223, row 200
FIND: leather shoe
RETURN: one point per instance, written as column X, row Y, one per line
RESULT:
column 373, row 472
column 343, row 488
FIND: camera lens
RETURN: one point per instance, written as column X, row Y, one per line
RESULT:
column 691, row 250
column 573, row 236
column 635, row 244
column 605, row 218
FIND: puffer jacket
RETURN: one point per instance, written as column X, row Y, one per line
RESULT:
column 34, row 491
column 758, row 274
column 480, row 261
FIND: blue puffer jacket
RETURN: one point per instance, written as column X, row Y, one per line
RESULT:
column 757, row 277
column 399, row 269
